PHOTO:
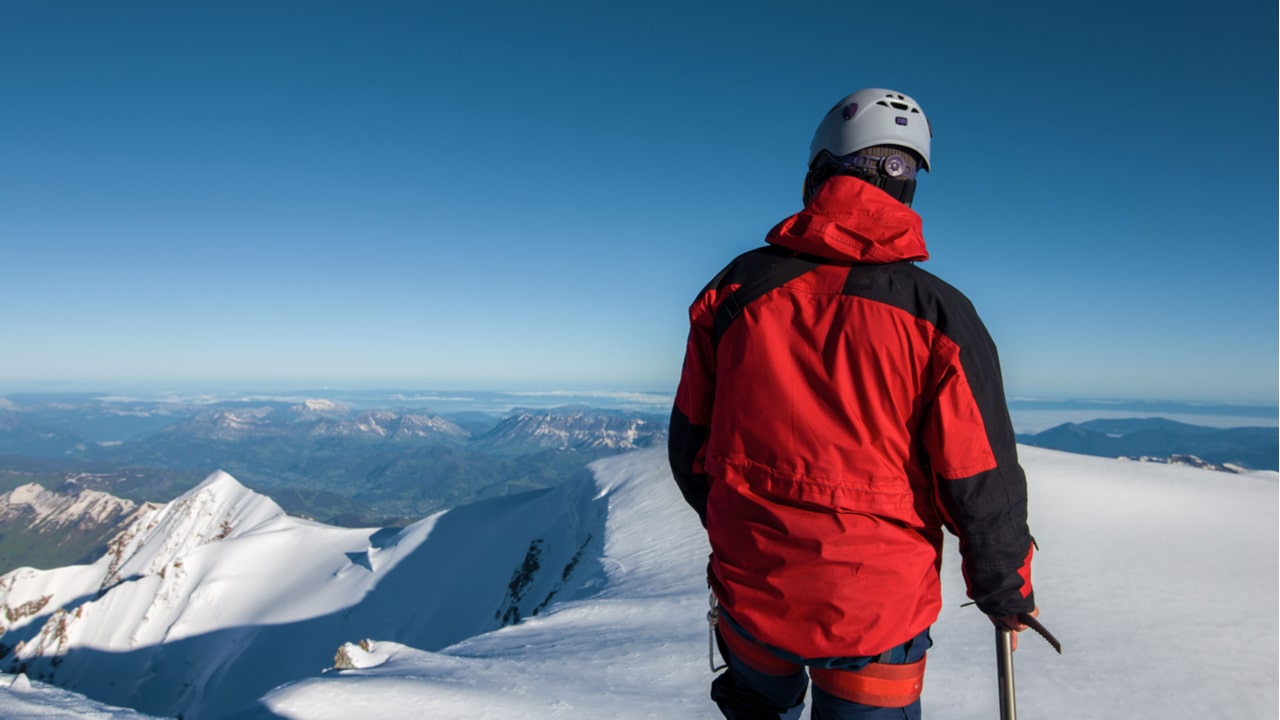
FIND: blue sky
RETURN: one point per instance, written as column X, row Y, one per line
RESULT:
column 508, row 194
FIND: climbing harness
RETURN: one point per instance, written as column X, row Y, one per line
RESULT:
column 878, row 683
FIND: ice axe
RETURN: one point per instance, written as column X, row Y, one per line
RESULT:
column 1004, row 662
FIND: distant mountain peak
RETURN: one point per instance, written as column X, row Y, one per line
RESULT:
column 223, row 424
column 46, row 510
column 575, row 428
column 317, row 409
column 46, row 507
column 322, row 406
column 388, row 424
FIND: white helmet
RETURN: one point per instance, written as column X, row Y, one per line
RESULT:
column 870, row 117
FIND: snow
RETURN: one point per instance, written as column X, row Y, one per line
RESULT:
column 1161, row 581
column 22, row 698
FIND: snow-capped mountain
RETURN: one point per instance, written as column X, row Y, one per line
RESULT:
column 71, row 524
column 389, row 424
column 314, row 418
column 329, row 419
column 575, row 428
column 75, row 508
column 206, row 603
column 223, row 424
column 217, row 600
column 317, row 408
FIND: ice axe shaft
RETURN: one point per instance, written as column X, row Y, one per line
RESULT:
column 1004, row 671
column 1004, row 661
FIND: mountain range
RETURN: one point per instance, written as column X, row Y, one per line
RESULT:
column 1161, row 440
column 316, row 458
column 89, row 428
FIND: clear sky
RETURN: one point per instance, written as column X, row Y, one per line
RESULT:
column 516, row 194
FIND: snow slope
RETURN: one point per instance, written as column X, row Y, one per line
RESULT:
column 22, row 698
column 1161, row 581
column 211, row 601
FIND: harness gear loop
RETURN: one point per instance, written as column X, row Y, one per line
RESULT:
column 713, row 617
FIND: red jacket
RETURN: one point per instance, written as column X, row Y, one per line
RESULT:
column 838, row 406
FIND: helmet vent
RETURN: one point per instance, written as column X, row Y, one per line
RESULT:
column 896, row 105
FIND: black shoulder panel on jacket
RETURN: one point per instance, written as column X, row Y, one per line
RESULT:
column 756, row 274
column 906, row 286
column 748, row 265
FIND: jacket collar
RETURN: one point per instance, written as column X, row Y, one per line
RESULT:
column 853, row 221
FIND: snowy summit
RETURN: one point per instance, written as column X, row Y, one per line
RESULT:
column 588, row 601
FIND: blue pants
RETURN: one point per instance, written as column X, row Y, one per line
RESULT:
column 744, row 693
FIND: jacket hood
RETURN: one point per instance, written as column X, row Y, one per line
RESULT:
column 852, row 220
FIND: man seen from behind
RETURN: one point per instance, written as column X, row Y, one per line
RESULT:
column 838, row 407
